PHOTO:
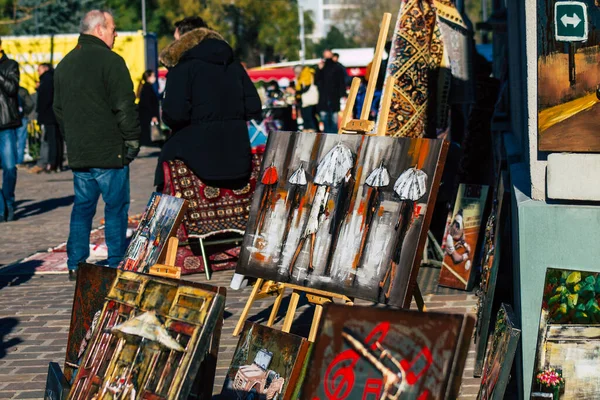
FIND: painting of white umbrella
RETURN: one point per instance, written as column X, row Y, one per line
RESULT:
column 377, row 179
column 144, row 330
column 331, row 171
column 269, row 179
column 297, row 180
column 410, row 187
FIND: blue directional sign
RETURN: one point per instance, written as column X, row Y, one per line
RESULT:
column 571, row 21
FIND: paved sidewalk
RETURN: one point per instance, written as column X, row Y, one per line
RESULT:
column 35, row 309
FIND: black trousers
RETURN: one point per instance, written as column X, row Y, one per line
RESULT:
column 55, row 146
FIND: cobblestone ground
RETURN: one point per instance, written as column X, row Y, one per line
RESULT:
column 35, row 309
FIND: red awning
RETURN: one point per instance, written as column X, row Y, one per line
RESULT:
column 270, row 74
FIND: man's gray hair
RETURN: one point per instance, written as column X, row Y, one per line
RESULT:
column 92, row 19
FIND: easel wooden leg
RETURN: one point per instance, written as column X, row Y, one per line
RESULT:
column 276, row 306
column 315, row 323
column 291, row 311
column 419, row 299
column 246, row 310
column 205, row 259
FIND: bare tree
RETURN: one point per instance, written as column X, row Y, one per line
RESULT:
column 362, row 23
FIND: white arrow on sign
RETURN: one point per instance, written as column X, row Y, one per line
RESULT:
column 574, row 20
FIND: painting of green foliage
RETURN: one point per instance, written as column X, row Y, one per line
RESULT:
column 571, row 297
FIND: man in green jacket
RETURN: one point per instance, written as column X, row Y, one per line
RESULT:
column 95, row 107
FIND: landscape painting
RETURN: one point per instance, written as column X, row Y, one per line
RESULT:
column 266, row 364
column 569, row 339
column 376, row 353
column 160, row 221
column 461, row 239
column 499, row 360
column 152, row 337
column 343, row 213
column 568, row 75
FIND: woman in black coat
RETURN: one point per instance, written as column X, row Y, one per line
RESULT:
column 208, row 99
column 148, row 106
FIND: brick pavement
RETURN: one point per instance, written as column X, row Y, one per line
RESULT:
column 35, row 310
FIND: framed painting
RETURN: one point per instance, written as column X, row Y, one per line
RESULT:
column 57, row 386
column 568, row 75
column 569, row 338
column 153, row 336
column 266, row 364
column 347, row 214
column 461, row 238
column 160, row 221
column 367, row 352
column 490, row 264
column 93, row 284
column 499, row 360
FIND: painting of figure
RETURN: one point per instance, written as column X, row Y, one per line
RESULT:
column 266, row 365
column 387, row 354
column 343, row 213
column 160, row 221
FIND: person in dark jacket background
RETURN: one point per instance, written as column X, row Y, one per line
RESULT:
column 47, row 119
column 330, row 79
column 94, row 104
column 9, row 120
column 208, row 99
column 148, row 106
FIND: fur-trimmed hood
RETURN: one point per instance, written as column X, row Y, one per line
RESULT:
column 216, row 51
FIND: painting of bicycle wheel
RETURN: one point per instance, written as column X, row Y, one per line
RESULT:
column 343, row 213
column 387, row 354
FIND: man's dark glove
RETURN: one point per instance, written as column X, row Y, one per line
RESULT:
column 132, row 148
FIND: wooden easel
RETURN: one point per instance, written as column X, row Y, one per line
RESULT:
column 167, row 268
column 317, row 297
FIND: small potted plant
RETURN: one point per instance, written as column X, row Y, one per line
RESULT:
column 550, row 380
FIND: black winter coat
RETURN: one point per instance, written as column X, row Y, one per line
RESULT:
column 331, row 81
column 9, row 88
column 208, row 99
column 45, row 98
column 148, row 108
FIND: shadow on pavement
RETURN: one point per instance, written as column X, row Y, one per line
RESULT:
column 6, row 326
column 43, row 206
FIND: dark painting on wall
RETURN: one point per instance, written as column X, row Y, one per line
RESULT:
column 499, row 360
column 93, row 284
column 266, row 364
column 568, row 75
column 343, row 213
column 462, row 238
column 490, row 264
column 569, row 335
column 366, row 352
column 160, row 221
column 152, row 338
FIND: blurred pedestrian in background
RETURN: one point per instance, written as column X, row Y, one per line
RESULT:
column 95, row 106
column 148, row 107
column 51, row 134
column 26, row 106
column 336, row 58
column 9, row 121
column 307, row 95
column 330, row 80
column 208, row 99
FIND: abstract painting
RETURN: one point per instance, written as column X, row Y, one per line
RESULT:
column 152, row 338
column 343, row 213
column 490, row 264
column 160, row 221
column 461, row 239
column 499, row 360
column 569, row 338
column 266, row 364
column 93, row 284
column 376, row 353
column 568, row 75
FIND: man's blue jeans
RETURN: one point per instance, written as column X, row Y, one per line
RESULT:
column 113, row 185
column 21, row 141
column 8, row 156
column 330, row 121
